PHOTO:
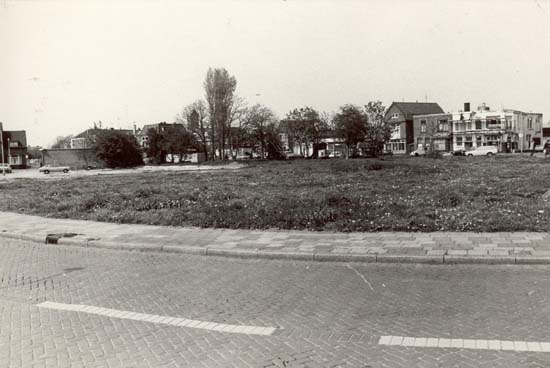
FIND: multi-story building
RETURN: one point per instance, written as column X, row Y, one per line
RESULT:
column 510, row 130
column 142, row 136
column 13, row 144
column 400, row 115
column 433, row 131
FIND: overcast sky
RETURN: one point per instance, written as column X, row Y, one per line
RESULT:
column 67, row 64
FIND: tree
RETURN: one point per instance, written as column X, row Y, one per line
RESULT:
column 174, row 140
column 378, row 131
column 117, row 149
column 259, row 122
column 34, row 152
column 219, row 87
column 179, row 142
column 305, row 126
column 273, row 144
column 195, row 116
column 351, row 125
column 155, row 146
column 62, row 142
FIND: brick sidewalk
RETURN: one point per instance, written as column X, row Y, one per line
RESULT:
column 441, row 247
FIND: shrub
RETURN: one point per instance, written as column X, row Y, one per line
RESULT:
column 118, row 149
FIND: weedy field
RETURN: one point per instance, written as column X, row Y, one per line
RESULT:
column 501, row 193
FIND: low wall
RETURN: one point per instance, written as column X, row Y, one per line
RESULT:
column 79, row 158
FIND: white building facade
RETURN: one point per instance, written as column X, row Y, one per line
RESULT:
column 507, row 129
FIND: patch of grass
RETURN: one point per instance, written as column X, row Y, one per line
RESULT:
column 502, row 193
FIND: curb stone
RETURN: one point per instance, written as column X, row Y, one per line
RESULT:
column 297, row 256
column 479, row 259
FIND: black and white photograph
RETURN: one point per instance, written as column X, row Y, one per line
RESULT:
column 274, row 184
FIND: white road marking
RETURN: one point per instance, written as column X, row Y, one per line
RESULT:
column 360, row 275
column 163, row 320
column 429, row 342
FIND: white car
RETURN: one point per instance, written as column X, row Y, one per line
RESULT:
column 418, row 152
column 483, row 151
column 49, row 169
column 5, row 168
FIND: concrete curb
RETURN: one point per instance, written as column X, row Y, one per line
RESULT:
column 294, row 256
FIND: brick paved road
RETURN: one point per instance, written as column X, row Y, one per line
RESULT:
column 328, row 314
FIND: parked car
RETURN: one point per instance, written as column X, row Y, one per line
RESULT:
column 418, row 152
column 5, row 168
column 459, row 153
column 49, row 169
column 483, row 151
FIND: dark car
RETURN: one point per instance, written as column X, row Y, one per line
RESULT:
column 459, row 153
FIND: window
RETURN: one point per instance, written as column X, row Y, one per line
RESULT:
column 530, row 123
column 492, row 140
column 478, row 124
column 422, row 126
column 469, row 125
column 16, row 160
column 394, row 115
column 479, row 141
column 459, row 141
column 443, row 126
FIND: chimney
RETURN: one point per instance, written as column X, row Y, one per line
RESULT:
column 466, row 106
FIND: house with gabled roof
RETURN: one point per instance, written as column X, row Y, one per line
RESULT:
column 13, row 144
column 400, row 116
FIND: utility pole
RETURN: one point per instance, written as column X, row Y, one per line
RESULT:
column 9, row 151
column 2, row 151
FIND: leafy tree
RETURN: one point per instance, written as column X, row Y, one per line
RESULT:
column 62, row 142
column 118, row 149
column 156, row 149
column 219, row 87
column 378, row 131
column 259, row 123
column 179, row 141
column 172, row 140
column 305, row 126
column 350, row 124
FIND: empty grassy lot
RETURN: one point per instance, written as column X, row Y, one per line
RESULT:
column 502, row 193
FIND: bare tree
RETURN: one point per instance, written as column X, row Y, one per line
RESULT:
column 220, row 87
column 195, row 117
column 62, row 142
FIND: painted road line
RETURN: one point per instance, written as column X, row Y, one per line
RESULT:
column 430, row 342
column 162, row 320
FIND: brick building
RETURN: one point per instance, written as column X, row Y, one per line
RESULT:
column 433, row 131
column 14, row 147
column 400, row 115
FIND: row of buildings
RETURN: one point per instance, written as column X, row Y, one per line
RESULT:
column 415, row 126
column 423, row 126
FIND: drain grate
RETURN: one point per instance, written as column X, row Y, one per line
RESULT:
column 53, row 238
